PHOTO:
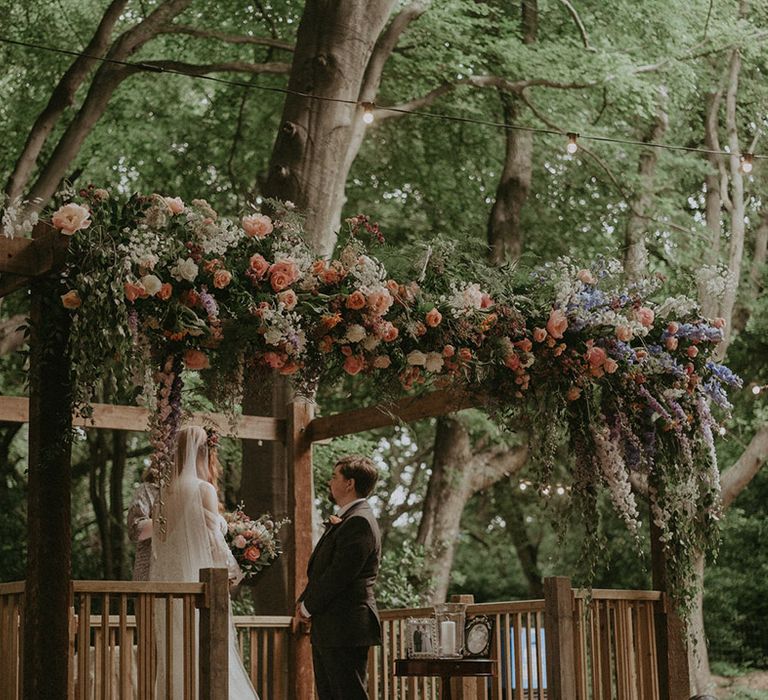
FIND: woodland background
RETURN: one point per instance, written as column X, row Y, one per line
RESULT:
column 455, row 509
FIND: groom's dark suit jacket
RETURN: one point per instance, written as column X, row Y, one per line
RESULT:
column 342, row 571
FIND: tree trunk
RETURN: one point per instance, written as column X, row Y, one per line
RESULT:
column 526, row 550
column 714, row 200
column 635, row 254
column 698, row 659
column 311, row 156
column 116, row 518
column 97, row 479
column 757, row 270
column 505, row 234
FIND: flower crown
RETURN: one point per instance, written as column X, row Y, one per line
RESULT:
column 213, row 438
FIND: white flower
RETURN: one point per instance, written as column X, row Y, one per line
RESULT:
column 184, row 270
column 371, row 342
column 355, row 333
column 151, row 284
column 148, row 261
column 416, row 357
column 273, row 336
column 434, row 362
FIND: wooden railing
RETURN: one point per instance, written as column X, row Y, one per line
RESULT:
column 113, row 641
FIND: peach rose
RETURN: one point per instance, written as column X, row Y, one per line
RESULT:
column 557, row 323
column 465, row 354
column 134, row 291
column 239, row 541
column 673, row 327
column 539, row 335
column 222, row 278
column 433, row 318
column 644, row 316
column 71, row 218
column 257, row 225
column 573, row 393
column 165, row 291
column 610, row 365
column 393, row 287
column 449, row 351
column 525, row 344
column 719, row 323
column 275, row 360
column 252, row 553
column 317, row 267
column 196, row 360
column 596, row 356
column 379, row 302
column 259, row 265
column 485, row 301
column 353, row 364
column 356, row 300
column 624, row 333
column 175, row 204
column 512, row 361
column 282, row 274
column 71, row 300
column 330, row 276
column 389, row 332
column 381, row 361
column 326, row 343
column 671, row 343
column 288, row 299
column 586, row 277
column 692, row 351
column 290, row 367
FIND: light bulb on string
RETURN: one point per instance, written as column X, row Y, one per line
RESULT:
column 571, row 147
column 757, row 389
column 560, row 490
column 721, row 430
column 746, row 161
column 367, row 112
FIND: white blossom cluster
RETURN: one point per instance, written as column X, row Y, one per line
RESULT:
column 713, row 281
column 677, row 307
column 616, row 476
column 464, row 298
column 284, row 330
column 144, row 249
column 17, row 219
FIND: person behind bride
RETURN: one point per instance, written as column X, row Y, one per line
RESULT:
column 193, row 539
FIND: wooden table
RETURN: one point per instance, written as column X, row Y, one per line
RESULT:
column 446, row 669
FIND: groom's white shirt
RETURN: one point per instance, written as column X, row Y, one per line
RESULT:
column 340, row 514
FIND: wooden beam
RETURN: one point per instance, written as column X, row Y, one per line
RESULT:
column 15, row 409
column 406, row 410
column 33, row 257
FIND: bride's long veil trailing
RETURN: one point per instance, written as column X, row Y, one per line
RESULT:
column 192, row 541
column 178, row 554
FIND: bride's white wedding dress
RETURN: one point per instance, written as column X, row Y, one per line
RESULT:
column 194, row 540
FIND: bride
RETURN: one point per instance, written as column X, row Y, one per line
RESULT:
column 193, row 540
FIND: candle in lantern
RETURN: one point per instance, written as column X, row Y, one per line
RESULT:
column 448, row 637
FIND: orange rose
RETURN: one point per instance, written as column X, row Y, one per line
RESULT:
column 134, row 291
column 433, row 318
column 525, row 344
column 379, row 302
column 290, row 367
column 259, row 265
column 692, row 351
column 252, row 553
column 353, row 364
column 275, row 360
column 196, row 360
column 356, row 300
column 71, row 300
column 623, row 333
column 573, row 393
column 165, row 291
column 539, row 335
column 282, row 274
column 317, row 267
column 222, row 278
column 512, row 361
column 288, row 299
column 596, row 357
column 465, row 354
column 449, row 351
column 557, row 323
column 389, row 332
column 257, row 225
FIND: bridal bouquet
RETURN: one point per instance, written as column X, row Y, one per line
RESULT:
column 254, row 543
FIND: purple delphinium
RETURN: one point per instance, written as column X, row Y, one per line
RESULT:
column 209, row 303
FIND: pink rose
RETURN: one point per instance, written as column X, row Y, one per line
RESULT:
column 252, row 553
column 539, row 335
column 288, row 299
column 356, row 300
column 239, row 542
column 596, row 357
column 586, row 277
column 673, row 327
column 381, row 361
column 671, row 343
column 557, row 323
column 282, row 274
column 222, row 278
column 353, row 364
column 525, row 344
column 692, row 351
column 379, row 302
column 257, row 225
column 196, row 360
column 433, row 318
column 134, row 291
column 624, row 333
column 71, row 300
column 610, row 365
column 258, row 265
column 71, row 218
column 165, row 291
column 644, row 316
column 485, row 301
column 175, row 204
column 449, row 351
column 512, row 361
column 389, row 332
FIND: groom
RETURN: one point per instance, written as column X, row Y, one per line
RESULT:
column 338, row 599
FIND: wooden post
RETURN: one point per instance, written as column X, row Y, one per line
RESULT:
column 671, row 638
column 49, row 542
column 299, row 545
column 214, row 635
column 558, row 624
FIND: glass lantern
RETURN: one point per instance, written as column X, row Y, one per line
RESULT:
column 449, row 625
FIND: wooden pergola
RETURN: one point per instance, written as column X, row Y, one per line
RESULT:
column 27, row 263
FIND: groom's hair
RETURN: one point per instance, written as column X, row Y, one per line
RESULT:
column 362, row 470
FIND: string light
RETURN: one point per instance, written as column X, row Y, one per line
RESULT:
column 367, row 112
column 571, row 147
column 756, row 389
column 721, row 430
column 746, row 163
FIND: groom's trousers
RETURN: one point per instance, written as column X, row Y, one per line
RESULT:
column 341, row 672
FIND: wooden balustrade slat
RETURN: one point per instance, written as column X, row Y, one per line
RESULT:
column 177, row 590
column 126, row 647
column 105, row 666
column 169, row 660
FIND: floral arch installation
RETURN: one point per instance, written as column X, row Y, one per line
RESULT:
column 157, row 288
